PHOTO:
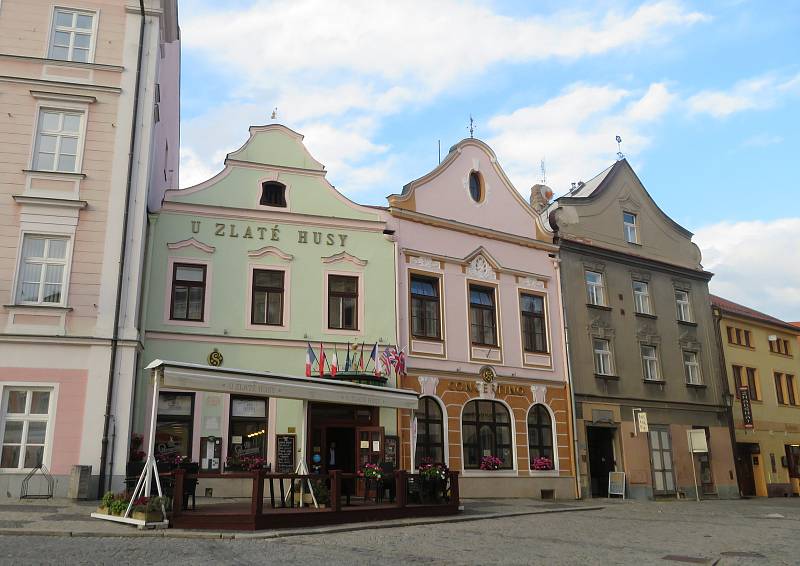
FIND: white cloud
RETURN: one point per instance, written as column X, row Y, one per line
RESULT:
column 762, row 140
column 193, row 169
column 574, row 132
column 756, row 93
column 337, row 61
column 756, row 263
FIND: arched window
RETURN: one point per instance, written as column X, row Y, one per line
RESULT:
column 430, row 431
column 486, row 431
column 540, row 433
column 273, row 193
column 476, row 186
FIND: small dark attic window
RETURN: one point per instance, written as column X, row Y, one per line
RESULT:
column 273, row 194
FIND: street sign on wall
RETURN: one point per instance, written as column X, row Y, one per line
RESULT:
column 642, row 421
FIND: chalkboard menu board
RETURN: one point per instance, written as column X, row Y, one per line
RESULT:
column 285, row 451
column 616, row 484
column 390, row 445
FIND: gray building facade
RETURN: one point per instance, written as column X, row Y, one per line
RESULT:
column 642, row 344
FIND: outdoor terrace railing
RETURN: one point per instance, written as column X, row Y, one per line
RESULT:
column 275, row 501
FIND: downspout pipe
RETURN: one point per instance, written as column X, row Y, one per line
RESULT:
column 112, row 366
column 727, row 394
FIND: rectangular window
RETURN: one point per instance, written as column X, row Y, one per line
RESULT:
column 174, row 425
column 72, row 35
column 58, row 136
column 594, row 288
column 425, row 319
column 747, row 339
column 791, row 393
column 43, row 270
column 684, row 311
column 483, row 324
column 267, row 297
column 650, row 362
column 629, row 221
column 248, row 427
column 602, row 357
column 25, row 417
column 534, row 329
column 779, row 346
column 692, row 368
column 188, row 292
column 641, row 297
column 751, row 384
column 729, row 331
column 779, row 388
column 342, row 302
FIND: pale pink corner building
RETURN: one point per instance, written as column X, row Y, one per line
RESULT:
column 83, row 85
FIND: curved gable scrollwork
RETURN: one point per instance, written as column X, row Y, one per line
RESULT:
column 270, row 250
column 192, row 243
column 344, row 256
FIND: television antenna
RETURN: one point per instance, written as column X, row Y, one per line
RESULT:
column 620, row 155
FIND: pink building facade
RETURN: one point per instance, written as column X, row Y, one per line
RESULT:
column 85, row 85
column 480, row 321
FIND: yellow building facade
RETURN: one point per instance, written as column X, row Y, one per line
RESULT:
column 762, row 363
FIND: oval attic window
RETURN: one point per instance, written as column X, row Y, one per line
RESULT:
column 476, row 186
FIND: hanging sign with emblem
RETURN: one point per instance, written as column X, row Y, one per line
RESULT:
column 747, row 410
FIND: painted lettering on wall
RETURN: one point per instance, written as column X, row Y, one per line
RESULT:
column 481, row 386
column 273, row 233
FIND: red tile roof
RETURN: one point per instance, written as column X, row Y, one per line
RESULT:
column 736, row 309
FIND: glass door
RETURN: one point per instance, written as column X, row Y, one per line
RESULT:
column 369, row 448
column 661, row 461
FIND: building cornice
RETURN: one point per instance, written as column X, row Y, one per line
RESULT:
column 60, row 63
column 631, row 259
column 454, row 225
column 734, row 316
column 49, row 201
column 61, row 84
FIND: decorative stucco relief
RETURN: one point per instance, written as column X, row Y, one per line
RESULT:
column 428, row 384
column 191, row 242
column 484, row 392
column 344, row 256
column 480, row 269
column 532, row 283
column 539, row 394
column 424, row 261
column 270, row 250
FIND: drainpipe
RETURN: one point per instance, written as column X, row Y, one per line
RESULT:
column 123, row 248
column 573, row 422
column 727, row 395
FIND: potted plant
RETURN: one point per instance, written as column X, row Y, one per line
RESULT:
column 105, row 503
column 149, row 509
column 491, row 463
column 118, row 505
column 433, row 480
column 543, row 463
column 321, row 492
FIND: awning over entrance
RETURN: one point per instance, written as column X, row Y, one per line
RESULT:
column 198, row 377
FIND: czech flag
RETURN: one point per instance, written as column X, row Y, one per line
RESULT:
column 310, row 359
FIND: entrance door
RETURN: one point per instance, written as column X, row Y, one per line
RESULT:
column 661, row 461
column 744, row 469
column 601, row 458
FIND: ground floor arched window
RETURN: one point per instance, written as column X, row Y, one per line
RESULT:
column 540, row 433
column 430, row 431
column 486, row 431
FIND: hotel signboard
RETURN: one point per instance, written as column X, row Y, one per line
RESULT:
column 747, row 410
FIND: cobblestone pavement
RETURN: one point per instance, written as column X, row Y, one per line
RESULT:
column 711, row 532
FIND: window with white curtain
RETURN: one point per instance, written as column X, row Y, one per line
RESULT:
column 43, row 270
column 650, row 362
column 58, row 137
column 73, row 35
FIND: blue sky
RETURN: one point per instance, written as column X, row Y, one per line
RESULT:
column 705, row 96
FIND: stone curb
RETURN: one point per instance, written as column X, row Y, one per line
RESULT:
column 171, row 533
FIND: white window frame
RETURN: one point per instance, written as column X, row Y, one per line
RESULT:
column 72, row 30
column 694, row 375
column 77, row 109
column 595, row 291
column 650, row 369
column 52, row 388
column 683, row 307
column 641, row 301
column 603, row 357
column 631, row 228
column 66, row 262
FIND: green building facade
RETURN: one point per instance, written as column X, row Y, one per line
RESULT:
column 244, row 271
